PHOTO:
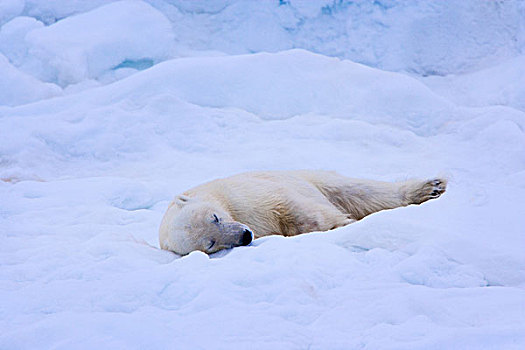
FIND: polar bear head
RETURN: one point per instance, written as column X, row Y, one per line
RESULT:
column 194, row 224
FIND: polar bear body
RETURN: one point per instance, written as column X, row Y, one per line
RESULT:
column 222, row 213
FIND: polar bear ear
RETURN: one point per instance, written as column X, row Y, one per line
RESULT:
column 181, row 200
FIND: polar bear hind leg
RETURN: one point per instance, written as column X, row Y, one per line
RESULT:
column 358, row 198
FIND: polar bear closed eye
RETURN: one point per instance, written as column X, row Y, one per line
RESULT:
column 231, row 212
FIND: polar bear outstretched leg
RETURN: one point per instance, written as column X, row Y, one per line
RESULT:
column 359, row 198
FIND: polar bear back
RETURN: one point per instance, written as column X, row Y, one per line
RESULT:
column 272, row 202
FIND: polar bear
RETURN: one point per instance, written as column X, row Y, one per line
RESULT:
column 231, row 212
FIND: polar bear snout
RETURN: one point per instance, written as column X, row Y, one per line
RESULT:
column 247, row 237
column 237, row 234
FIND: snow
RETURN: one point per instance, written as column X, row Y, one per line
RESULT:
column 10, row 9
column 12, row 38
column 87, row 43
column 498, row 85
column 429, row 37
column 85, row 46
column 17, row 88
column 109, row 109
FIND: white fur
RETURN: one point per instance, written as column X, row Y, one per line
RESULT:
column 280, row 202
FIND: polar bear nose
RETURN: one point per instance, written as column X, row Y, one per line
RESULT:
column 247, row 237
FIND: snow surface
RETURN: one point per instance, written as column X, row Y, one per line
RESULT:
column 134, row 102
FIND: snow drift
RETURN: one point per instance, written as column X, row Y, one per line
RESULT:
column 88, row 43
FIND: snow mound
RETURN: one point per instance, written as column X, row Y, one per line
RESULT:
column 498, row 85
column 82, row 44
column 125, row 34
column 18, row 88
column 296, row 82
column 177, row 104
column 12, row 38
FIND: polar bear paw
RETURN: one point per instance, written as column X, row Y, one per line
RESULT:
column 439, row 187
column 429, row 190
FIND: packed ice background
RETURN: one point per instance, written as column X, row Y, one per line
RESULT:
column 110, row 108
